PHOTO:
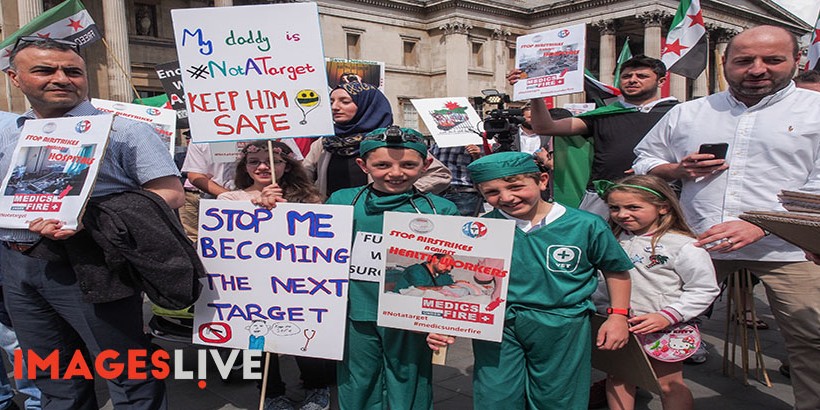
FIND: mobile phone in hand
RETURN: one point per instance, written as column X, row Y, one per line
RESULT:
column 718, row 150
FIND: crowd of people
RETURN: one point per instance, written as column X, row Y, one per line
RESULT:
column 660, row 257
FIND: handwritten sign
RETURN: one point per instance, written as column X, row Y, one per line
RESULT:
column 53, row 170
column 277, row 279
column 445, row 274
column 452, row 121
column 163, row 120
column 253, row 72
column 552, row 62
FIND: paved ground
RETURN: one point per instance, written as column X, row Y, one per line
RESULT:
column 453, row 388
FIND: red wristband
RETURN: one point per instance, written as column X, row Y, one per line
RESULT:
column 617, row 311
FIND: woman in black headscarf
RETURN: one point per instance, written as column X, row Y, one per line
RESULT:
column 358, row 108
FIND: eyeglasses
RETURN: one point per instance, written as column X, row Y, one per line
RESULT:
column 22, row 41
column 255, row 163
column 394, row 135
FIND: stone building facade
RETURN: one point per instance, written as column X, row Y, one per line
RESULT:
column 433, row 48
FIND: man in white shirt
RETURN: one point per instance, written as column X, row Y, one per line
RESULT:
column 773, row 132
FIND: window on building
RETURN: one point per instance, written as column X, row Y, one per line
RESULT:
column 411, row 55
column 410, row 117
column 353, row 46
column 146, row 19
column 478, row 54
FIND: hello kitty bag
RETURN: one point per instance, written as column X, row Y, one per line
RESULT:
column 673, row 344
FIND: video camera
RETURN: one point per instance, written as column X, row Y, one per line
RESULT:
column 500, row 124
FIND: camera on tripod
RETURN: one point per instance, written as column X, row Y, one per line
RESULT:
column 500, row 124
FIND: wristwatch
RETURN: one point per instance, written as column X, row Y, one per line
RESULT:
column 617, row 311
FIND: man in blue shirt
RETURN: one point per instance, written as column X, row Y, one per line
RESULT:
column 45, row 300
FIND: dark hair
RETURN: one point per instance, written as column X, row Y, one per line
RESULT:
column 808, row 76
column 642, row 61
column 535, row 176
column 295, row 184
column 795, row 45
column 41, row 44
column 673, row 220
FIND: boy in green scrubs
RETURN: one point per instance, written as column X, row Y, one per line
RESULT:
column 385, row 368
column 543, row 360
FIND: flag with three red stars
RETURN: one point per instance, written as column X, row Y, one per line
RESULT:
column 814, row 47
column 686, row 48
column 68, row 20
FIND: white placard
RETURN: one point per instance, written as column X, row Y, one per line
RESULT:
column 253, row 72
column 53, row 170
column 552, row 62
column 277, row 280
column 579, row 108
column 367, row 258
column 473, row 305
column 452, row 121
column 162, row 119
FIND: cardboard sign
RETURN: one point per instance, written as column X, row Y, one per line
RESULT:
column 453, row 122
column 161, row 119
column 53, row 170
column 277, row 279
column 340, row 70
column 461, row 294
column 367, row 259
column 170, row 76
column 253, row 72
column 552, row 62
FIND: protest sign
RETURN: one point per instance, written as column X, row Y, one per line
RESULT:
column 253, row 72
column 53, row 170
column 340, row 70
column 161, row 119
column 367, row 257
column 451, row 121
column 461, row 294
column 552, row 62
column 277, row 279
column 170, row 76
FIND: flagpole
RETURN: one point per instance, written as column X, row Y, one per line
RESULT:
column 708, row 58
column 119, row 64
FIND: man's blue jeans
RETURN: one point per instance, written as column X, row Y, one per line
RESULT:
column 8, row 342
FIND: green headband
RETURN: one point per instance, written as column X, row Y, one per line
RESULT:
column 603, row 186
column 500, row 165
column 409, row 139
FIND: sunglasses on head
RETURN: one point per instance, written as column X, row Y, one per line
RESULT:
column 394, row 135
column 41, row 40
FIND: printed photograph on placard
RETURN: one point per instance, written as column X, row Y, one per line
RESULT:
column 452, row 121
column 442, row 275
column 552, row 62
column 44, row 170
column 342, row 71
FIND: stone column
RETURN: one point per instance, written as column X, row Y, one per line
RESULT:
column 458, row 57
column 223, row 3
column 607, row 57
column 118, row 56
column 677, row 86
column 28, row 10
column 652, row 21
column 721, row 36
column 500, row 68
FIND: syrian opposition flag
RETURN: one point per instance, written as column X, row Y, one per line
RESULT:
column 626, row 54
column 814, row 48
column 598, row 91
column 68, row 20
column 686, row 48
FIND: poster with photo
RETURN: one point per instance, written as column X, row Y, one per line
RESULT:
column 163, row 120
column 340, row 70
column 452, row 121
column 53, row 170
column 445, row 274
column 552, row 62
column 253, row 72
column 277, row 279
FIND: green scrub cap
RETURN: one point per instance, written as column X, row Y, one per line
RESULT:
column 394, row 137
column 500, row 165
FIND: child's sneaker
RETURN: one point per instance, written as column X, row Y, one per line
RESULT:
column 278, row 403
column 317, row 399
column 699, row 356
